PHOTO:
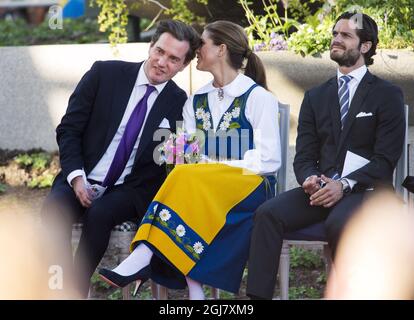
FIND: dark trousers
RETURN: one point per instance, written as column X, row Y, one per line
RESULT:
column 287, row 212
column 61, row 209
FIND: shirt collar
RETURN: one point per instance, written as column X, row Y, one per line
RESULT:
column 234, row 89
column 143, row 80
column 357, row 74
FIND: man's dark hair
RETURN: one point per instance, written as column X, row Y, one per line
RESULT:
column 368, row 32
column 181, row 32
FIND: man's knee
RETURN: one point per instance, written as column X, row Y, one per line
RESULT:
column 98, row 217
column 57, row 207
column 334, row 228
column 267, row 214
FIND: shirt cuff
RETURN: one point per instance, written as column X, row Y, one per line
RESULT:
column 314, row 175
column 74, row 174
column 351, row 182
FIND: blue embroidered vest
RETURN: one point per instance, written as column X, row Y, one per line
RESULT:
column 234, row 133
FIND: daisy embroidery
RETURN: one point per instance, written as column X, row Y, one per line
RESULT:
column 227, row 116
column 224, row 125
column 199, row 113
column 236, row 112
column 206, row 125
column 165, row 215
column 180, row 230
column 198, row 247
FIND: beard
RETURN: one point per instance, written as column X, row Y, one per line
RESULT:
column 347, row 59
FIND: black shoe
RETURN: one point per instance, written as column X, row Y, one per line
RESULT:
column 254, row 297
column 119, row 281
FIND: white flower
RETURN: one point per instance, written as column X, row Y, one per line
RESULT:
column 180, row 230
column 199, row 113
column 165, row 215
column 198, row 247
column 206, row 125
column 206, row 116
column 236, row 112
column 155, row 208
column 227, row 116
column 224, row 125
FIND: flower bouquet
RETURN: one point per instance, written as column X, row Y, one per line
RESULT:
column 180, row 148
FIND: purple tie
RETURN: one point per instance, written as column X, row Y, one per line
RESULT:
column 132, row 129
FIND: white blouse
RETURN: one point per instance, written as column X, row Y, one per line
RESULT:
column 262, row 113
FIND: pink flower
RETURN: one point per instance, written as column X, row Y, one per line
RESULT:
column 179, row 160
column 180, row 140
column 194, row 148
column 170, row 159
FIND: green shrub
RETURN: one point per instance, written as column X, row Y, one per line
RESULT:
column 37, row 165
column 311, row 39
column 113, row 15
column 43, row 181
column 310, row 33
column 36, row 161
column 308, row 259
column 19, row 33
column 2, row 188
column 303, row 292
column 395, row 19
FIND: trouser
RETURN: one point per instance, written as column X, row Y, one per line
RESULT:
column 288, row 212
column 60, row 210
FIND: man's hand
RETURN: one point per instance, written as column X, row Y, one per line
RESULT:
column 81, row 193
column 329, row 195
column 311, row 185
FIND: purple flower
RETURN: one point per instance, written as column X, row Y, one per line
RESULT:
column 259, row 46
column 277, row 43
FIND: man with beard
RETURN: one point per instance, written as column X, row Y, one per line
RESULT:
column 350, row 137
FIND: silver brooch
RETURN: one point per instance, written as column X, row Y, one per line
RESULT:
column 220, row 93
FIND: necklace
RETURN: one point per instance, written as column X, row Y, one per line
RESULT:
column 220, row 94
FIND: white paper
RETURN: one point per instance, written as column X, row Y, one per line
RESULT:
column 353, row 162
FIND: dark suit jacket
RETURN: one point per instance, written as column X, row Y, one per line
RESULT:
column 321, row 145
column 93, row 116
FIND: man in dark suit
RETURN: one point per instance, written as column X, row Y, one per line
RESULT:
column 109, row 174
column 354, row 115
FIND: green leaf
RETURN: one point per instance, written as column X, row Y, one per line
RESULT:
column 234, row 125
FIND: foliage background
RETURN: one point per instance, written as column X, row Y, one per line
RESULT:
column 297, row 25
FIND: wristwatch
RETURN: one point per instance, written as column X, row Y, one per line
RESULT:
column 346, row 188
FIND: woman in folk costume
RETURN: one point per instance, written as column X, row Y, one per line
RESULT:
column 197, row 229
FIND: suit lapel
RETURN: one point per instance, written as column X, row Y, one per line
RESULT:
column 356, row 104
column 333, row 101
column 123, row 90
column 158, row 112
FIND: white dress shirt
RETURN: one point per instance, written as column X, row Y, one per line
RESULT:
column 261, row 111
column 99, row 172
column 353, row 84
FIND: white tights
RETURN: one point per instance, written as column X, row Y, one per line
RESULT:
column 141, row 257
